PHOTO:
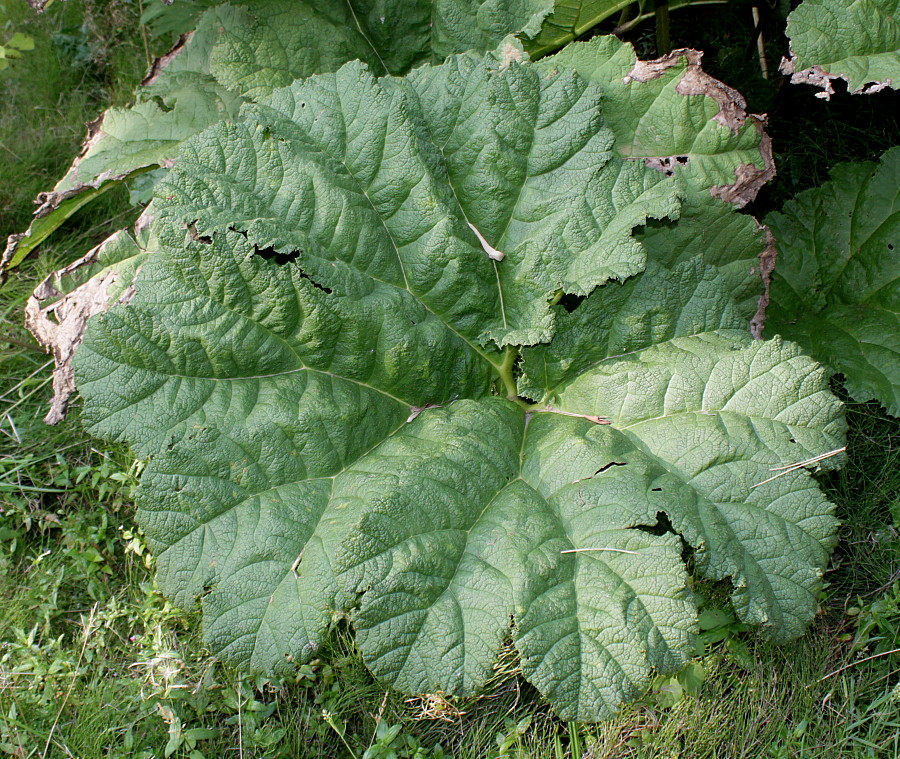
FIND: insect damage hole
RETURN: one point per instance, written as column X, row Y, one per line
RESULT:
column 610, row 465
column 196, row 236
column 271, row 254
column 282, row 258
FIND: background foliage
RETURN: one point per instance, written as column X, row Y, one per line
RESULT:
column 93, row 662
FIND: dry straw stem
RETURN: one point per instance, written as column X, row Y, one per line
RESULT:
column 854, row 663
column 782, row 470
column 581, row 550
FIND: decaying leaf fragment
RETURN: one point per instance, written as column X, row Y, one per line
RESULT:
column 854, row 40
column 766, row 259
column 58, row 310
column 732, row 114
column 819, row 77
column 677, row 118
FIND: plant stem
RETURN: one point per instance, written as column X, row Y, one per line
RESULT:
column 760, row 45
column 505, row 370
column 539, row 51
column 623, row 16
column 629, row 25
column 663, row 43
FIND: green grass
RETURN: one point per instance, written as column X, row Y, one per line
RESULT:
column 86, row 56
column 95, row 663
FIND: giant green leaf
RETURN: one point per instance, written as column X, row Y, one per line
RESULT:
column 345, row 173
column 719, row 411
column 312, row 360
column 432, row 541
column 855, row 40
column 836, row 286
column 662, row 359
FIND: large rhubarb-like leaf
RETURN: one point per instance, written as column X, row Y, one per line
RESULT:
column 376, row 187
column 836, row 286
column 662, row 359
column 312, row 359
column 718, row 411
column 855, row 40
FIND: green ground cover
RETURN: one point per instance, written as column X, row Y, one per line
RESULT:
column 95, row 663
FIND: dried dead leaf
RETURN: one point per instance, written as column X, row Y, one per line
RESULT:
column 766, row 258
column 819, row 77
column 749, row 179
column 166, row 58
column 732, row 114
column 58, row 321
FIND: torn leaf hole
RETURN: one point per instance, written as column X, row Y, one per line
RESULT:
column 326, row 290
column 663, row 526
column 161, row 104
column 270, row 254
column 656, row 490
column 571, row 302
column 666, row 164
column 196, row 236
column 609, row 466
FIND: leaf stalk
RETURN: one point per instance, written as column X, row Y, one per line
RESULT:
column 505, row 370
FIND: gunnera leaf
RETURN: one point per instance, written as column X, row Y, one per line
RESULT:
column 837, row 281
column 319, row 361
column 662, row 359
column 855, row 40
